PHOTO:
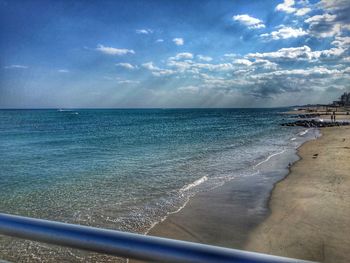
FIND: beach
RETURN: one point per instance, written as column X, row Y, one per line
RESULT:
column 311, row 207
column 306, row 214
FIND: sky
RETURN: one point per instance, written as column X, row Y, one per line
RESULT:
column 173, row 54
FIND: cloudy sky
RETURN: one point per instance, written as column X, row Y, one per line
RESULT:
column 179, row 53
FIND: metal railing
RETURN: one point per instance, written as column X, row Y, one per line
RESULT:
column 125, row 244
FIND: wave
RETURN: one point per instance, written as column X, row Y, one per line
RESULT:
column 64, row 110
column 269, row 157
column 166, row 216
column 194, row 184
column 304, row 132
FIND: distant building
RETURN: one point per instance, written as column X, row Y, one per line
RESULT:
column 344, row 100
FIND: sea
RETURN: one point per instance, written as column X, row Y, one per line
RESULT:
column 125, row 169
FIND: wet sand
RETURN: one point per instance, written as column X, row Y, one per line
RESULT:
column 311, row 207
column 216, row 217
column 307, row 215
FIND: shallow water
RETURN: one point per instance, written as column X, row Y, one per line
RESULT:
column 124, row 169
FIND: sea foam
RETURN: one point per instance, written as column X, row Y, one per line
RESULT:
column 194, row 184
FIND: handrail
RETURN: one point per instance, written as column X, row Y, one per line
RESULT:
column 124, row 244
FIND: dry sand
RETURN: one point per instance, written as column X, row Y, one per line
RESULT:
column 310, row 216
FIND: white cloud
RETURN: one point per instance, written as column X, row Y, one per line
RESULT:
column 314, row 71
column 144, row 31
column 346, row 59
column 261, row 75
column 63, row 71
column 323, row 25
column 222, row 67
column 159, row 40
column 184, row 55
column 334, row 4
column 127, row 81
column 215, row 67
column 180, row 66
column 178, row 41
column 16, row 66
column 284, row 33
column 319, row 18
column 242, row 61
column 266, row 64
column 303, row 53
column 334, row 21
column 204, row 58
column 156, row 71
column 163, row 72
column 114, row 51
column 250, row 22
column 149, row 66
column 343, row 42
column 190, row 89
column 193, row 68
column 255, row 64
column 346, row 27
column 286, row 6
column 125, row 65
column 303, row 11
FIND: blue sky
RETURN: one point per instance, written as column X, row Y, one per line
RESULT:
column 128, row 54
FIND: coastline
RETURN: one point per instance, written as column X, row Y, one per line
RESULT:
column 225, row 215
column 310, row 208
column 215, row 218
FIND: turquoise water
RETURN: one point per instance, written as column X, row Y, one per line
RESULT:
column 125, row 169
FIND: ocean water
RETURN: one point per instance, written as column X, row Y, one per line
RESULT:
column 124, row 169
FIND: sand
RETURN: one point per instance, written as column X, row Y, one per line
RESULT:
column 307, row 216
column 310, row 216
column 215, row 217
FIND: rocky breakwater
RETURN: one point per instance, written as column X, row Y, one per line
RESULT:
column 316, row 123
column 307, row 116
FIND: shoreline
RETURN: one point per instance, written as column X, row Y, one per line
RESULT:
column 310, row 207
column 155, row 224
column 176, row 226
column 213, row 188
column 192, row 222
column 301, row 134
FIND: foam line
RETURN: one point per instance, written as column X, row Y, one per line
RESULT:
column 268, row 158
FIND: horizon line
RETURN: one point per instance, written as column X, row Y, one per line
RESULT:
column 146, row 108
